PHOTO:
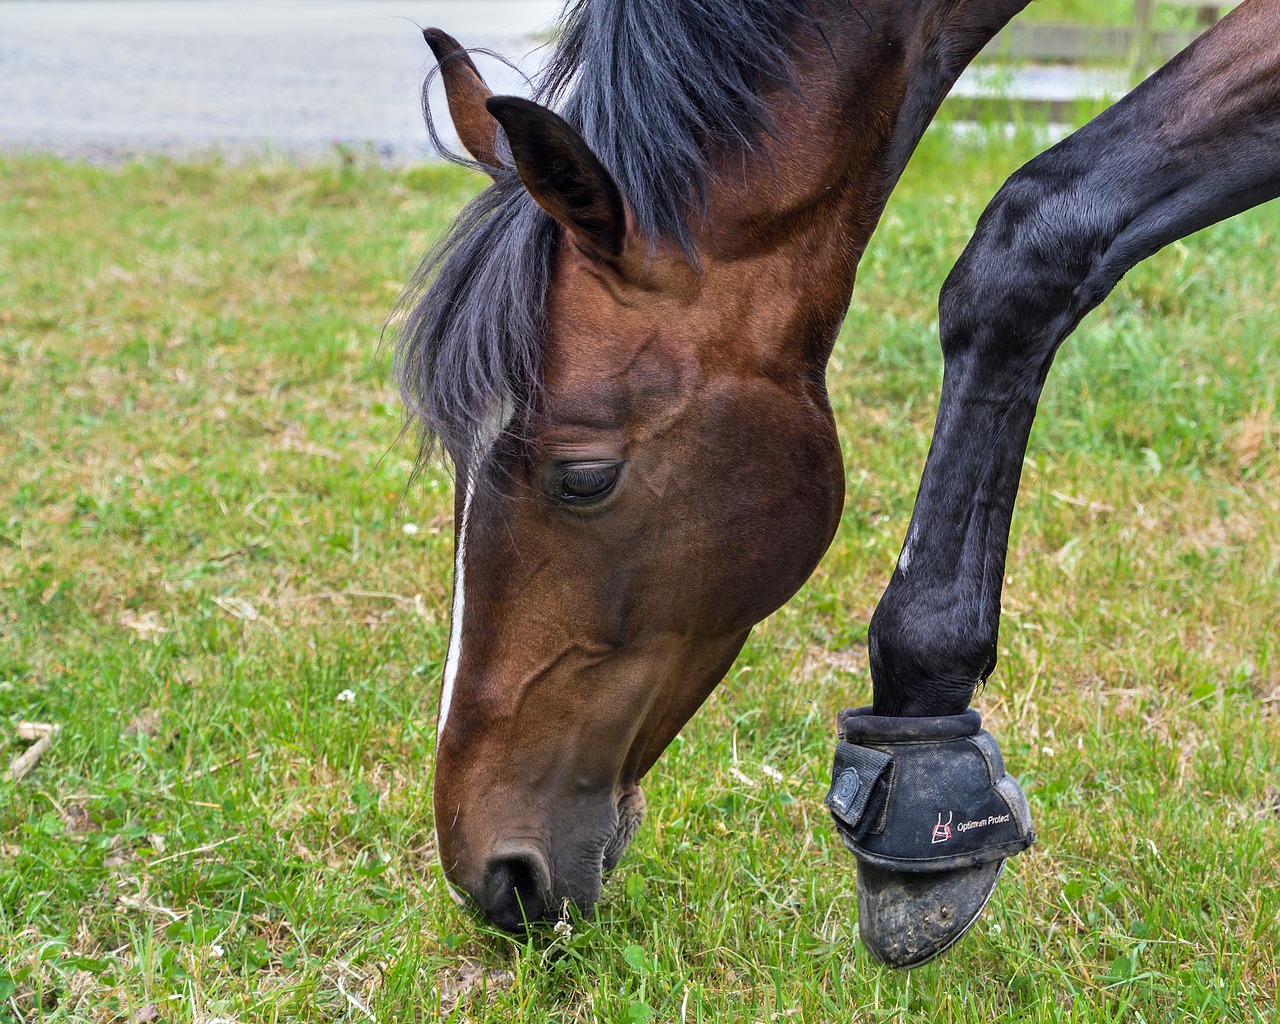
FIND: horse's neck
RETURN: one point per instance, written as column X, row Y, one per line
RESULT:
column 864, row 91
column 805, row 204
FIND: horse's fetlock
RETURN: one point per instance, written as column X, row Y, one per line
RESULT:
column 926, row 662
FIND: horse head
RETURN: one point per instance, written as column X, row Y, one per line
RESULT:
column 624, row 350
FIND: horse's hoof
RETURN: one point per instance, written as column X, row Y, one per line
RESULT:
column 928, row 810
column 906, row 919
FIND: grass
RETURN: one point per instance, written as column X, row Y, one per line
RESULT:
column 207, row 577
column 1120, row 13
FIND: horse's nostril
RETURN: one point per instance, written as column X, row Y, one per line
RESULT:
column 516, row 889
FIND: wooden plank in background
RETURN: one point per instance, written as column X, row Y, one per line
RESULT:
column 1081, row 43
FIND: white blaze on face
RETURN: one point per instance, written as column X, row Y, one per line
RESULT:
column 459, row 606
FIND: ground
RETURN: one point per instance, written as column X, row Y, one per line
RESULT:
column 219, row 576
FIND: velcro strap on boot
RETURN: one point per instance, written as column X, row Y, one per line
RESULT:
column 925, row 794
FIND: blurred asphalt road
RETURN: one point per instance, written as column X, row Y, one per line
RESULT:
column 106, row 80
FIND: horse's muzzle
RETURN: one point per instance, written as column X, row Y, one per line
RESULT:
column 517, row 888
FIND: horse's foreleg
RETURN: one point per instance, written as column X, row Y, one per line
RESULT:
column 1197, row 142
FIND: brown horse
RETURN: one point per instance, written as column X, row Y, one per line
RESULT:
column 622, row 345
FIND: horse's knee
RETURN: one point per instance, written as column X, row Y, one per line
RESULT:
column 1022, row 282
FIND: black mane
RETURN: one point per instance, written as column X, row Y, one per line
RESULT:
column 663, row 91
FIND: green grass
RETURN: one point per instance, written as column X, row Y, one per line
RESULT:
column 202, row 546
column 1112, row 12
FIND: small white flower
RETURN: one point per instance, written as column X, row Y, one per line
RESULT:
column 1047, row 751
column 347, row 697
column 772, row 772
column 409, row 529
column 216, row 951
column 563, row 928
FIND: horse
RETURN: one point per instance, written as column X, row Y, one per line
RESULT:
column 621, row 346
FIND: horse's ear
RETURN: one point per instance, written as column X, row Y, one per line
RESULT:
column 563, row 175
column 466, row 93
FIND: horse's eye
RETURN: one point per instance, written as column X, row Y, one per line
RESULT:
column 583, row 482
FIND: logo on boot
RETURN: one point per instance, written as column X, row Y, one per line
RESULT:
column 942, row 830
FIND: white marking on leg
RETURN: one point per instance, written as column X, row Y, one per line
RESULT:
column 904, row 559
column 459, row 607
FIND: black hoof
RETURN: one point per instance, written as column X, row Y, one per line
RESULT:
column 907, row 919
column 928, row 810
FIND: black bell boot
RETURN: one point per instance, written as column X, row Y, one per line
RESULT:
column 928, row 810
